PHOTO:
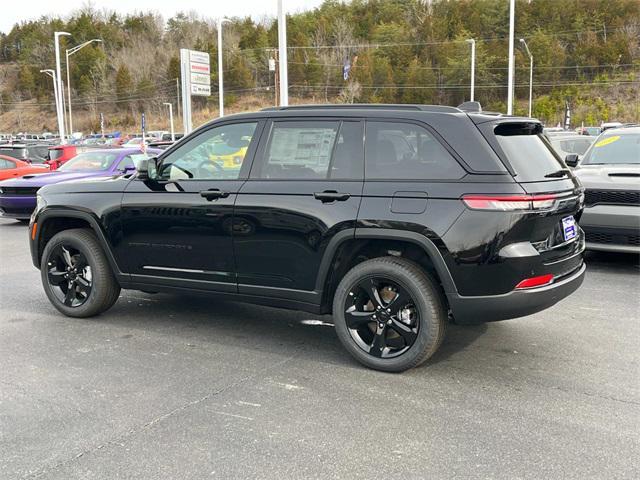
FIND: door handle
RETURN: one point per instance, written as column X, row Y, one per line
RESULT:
column 213, row 194
column 331, row 196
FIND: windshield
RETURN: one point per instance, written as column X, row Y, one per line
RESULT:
column 527, row 151
column 90, row 161
column 612, row 149
column 19, row 153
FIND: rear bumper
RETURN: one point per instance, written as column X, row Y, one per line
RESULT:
column 517, row 303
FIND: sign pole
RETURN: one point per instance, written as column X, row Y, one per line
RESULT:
column 186, row 90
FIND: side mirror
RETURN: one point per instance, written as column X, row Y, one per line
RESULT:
column 147, row 168
column 572, row 160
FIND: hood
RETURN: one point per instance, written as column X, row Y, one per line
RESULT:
column 41, row 179
column 609, row 177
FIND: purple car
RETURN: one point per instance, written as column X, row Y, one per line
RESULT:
column 18, row 196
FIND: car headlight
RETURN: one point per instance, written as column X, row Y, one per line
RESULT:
column 1, row 191
column 40, row 204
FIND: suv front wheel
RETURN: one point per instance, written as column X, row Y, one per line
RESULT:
column 76, row 274
column 389, row 314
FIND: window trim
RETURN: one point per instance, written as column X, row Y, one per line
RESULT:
column 437, row 137
column 265, row 141
column 247, row 162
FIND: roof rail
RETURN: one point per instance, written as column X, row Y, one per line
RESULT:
column 368, row 106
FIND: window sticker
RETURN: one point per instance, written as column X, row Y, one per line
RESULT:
column 607, row 141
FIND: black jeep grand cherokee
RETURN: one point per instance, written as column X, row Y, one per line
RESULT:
column 390, row 217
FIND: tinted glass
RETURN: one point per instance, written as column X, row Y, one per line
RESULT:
column 611, row 149
column 19, row 153
column 528, row 152
column 217, row 153
column 299, row 150
column 396, row 150
column 56, row 153
column 348, row 154
column 577, row 145
column 90, row 161
column 129, row 162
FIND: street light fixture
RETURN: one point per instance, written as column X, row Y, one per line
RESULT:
column 220, row 80
column 52, row 74
column 522, row 41
column 473, row 65
column 68, row 53
column 512, row 22
column 168, row 104
column 60, row 105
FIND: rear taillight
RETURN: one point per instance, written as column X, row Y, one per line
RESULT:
column 535, row 281
column 509, row 203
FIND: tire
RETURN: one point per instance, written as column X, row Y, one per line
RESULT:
column 82, row 249
column 403, row 279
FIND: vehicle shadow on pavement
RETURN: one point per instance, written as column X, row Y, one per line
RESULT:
column 613, row 262
column 201, row 321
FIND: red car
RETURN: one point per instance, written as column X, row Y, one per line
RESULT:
column 60, row 154
column 12, row 167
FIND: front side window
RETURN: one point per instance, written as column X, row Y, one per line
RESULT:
column 90, row 161
column 215, row 154
column 129, row 162
column 406, row 151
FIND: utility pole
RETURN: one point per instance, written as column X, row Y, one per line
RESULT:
column 473, row 66
column 220, row 79
column 68, row 53
column 512, row 15
column 60, row 108
column 530, row 74
column 173, row 135
column 282, row 47
column 52, row 74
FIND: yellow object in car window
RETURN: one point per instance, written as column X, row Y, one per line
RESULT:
column 607, row 141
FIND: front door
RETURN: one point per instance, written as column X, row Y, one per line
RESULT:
column 304, row 189
column 177, row 228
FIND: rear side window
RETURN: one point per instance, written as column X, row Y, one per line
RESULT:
column 406, row 151
column 313, row 150
column 526, row 150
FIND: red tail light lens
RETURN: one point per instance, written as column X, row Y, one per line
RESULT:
column 535, row 281
column 510, row 203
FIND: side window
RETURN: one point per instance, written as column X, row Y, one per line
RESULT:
column 217, row 153
column 312, row 150
column 403, row 151
column 4, row 164
column 125, row 163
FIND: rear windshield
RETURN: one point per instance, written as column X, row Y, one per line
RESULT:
column 614, row 149
column 19, row 153
column 528, row 152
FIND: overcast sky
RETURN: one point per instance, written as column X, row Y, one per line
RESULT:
column 13, row 11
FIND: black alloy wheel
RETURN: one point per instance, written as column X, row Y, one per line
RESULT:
column 381, row 316
column 69, row 275
column 389, row 313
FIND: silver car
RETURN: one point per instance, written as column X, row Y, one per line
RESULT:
column 610, row 173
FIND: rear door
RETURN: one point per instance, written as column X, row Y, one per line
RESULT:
column 304, row 189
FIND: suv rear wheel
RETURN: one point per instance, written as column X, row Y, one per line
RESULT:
column 389, row 314
column 76, row 274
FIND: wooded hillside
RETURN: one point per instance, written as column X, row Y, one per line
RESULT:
column 405, row 51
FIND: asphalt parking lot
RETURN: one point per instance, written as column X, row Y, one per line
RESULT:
column 166, row 386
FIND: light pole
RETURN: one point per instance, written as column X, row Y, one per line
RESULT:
column 473, row 66
column 512, row 21
column 220, row 79
column 530, row 74
column 282, row 55
column 52, row 74
column 56, row 37
column 173, row 135
column 68, row 53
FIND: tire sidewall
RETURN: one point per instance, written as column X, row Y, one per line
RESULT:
column 426, row 303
